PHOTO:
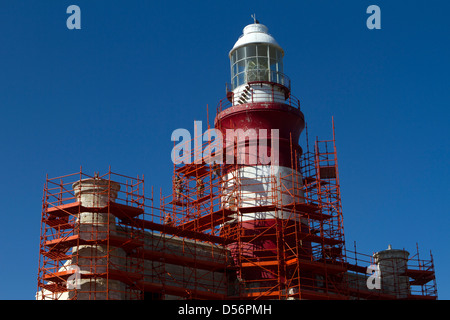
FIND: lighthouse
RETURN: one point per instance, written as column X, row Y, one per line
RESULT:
column 253, row 217
column 262, row 120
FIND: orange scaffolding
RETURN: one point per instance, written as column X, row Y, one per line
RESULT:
column 103, row 232
column 418, row 275
column 116, row 243
column 309, row 259
column 91, row 251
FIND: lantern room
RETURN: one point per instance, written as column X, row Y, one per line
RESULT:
column 256, row 56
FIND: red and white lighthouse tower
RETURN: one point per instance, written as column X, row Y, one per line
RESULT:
column 263, row 121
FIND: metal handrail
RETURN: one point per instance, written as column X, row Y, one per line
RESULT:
column 229, row 101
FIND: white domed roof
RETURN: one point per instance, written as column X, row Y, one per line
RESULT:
column 256, row 33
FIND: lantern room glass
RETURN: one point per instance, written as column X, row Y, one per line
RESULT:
column 256, row 62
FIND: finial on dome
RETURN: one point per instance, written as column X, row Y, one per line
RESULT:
column 254, row 18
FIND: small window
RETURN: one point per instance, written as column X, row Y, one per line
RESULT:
column 234, row 69
column 262, row 63
column 241, row 66
column 252, row 64
column 241, row 78
column 272, row 53
column 251, row 50
column 280, row 66
column 262, row 50
column 273, row 65
column 240, row 53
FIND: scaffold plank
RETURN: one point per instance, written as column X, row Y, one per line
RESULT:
column 58, row 277
column 316, row 266
column 202, row 199
column 198, row 263
column 181, row 291
column 420, row 277
column 114, row 274
column 125, row 243
column 301, row 236
column 122, row 276
column 119, row 210
column 64, row 209
column 59, row 223
column 308, row 209
column 254, row 209
column 209, row 221
column 193, row 170
column 54, row 287
column 56, row 255
column 176, row 231
column 123, row 211
column 64, row 243
column 61, row 244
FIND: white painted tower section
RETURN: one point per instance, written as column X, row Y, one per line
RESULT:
column 263, row 185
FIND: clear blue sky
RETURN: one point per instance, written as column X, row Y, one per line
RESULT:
column 113, row 92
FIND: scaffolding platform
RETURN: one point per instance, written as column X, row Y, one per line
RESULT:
column 209, row 221
column 119, row 210
column 299, row 252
